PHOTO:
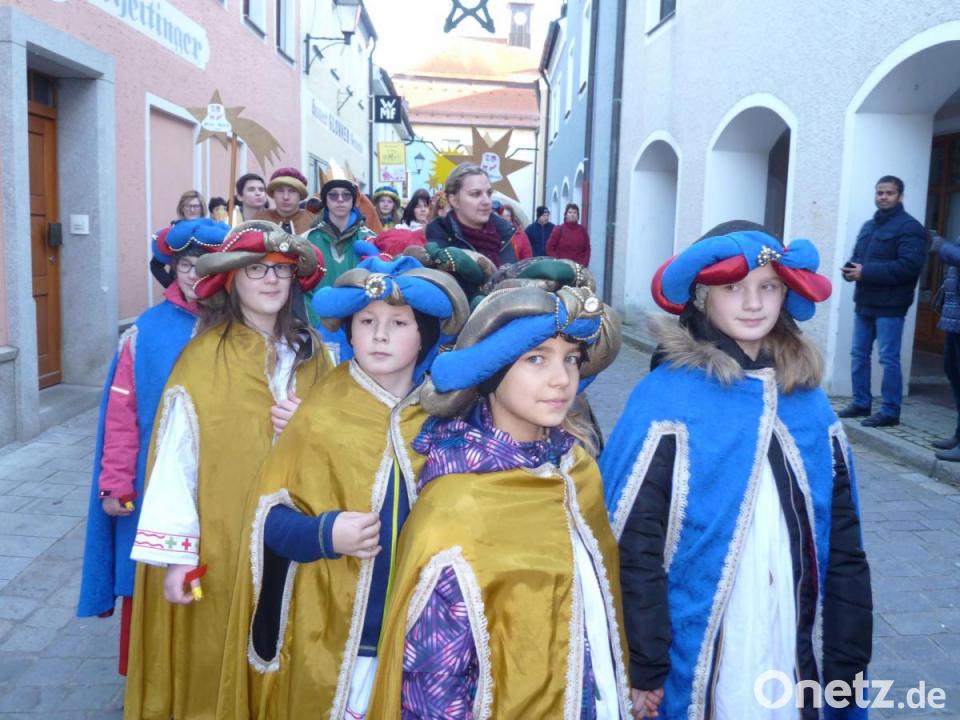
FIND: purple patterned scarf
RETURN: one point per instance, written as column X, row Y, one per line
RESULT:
column 473, row 445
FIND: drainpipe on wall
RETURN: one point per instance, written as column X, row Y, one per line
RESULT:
column 544, row 62
column 372, row 184
column 611, row 229
column 588, row 143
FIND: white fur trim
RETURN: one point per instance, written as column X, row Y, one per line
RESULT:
column 400, row 449
column 697, row 708
column 680, row 484
column 473, row 599
column 362, row 594
column 372, row 386
column 129, row 336
column 266, row 504
column 579, row 525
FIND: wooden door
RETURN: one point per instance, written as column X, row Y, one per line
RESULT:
column 46, row 259
column 943, row 215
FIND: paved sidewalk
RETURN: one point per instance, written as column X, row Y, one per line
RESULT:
column 53, row 665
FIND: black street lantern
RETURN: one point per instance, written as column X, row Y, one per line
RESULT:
column 348, row 16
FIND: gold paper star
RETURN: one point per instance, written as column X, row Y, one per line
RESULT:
column 260, row 142
column 507, row 165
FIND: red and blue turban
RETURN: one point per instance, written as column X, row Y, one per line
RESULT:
column 727, row 258
column 202, row 233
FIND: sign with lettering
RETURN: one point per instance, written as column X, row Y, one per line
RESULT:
column 336, row 126
column 393, row 165
column 164, row 24
column 387, row 109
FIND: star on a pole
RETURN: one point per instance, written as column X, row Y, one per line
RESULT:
column 230, row 114
column 217, row 122
column 493, row 158
column 453, row 19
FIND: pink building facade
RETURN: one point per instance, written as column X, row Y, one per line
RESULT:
column 96, row 135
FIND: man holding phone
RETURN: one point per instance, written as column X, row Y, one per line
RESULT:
column 885, row 265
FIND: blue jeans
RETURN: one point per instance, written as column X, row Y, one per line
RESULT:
column 888, row 332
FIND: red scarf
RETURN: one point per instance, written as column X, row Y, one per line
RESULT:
column 485, row 240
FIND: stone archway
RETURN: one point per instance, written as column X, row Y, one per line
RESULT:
column 889, row 128
column 748, row 165
column 651, row 233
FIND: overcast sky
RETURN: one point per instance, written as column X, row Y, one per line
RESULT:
column 405, row 28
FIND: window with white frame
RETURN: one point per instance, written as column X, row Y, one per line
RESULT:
column 286, row 27
column 255, row 13
column 568, row 100
column 585, row 40
column 555, row 107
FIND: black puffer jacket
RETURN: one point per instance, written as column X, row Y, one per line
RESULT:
column 891, row 247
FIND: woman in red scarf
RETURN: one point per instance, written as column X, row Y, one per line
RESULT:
column 570, row 240
column 471, row 223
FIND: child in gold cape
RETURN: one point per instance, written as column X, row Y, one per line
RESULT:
column 319, row 558
column 506, row 601
column 214, row 428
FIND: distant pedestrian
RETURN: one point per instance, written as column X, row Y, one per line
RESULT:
column 949, row 448
column 417, row 213
column 191, row 206
column 539, row 231
column 218, row 209
column 471, row 223
column 251, row 198
column 570, row 240
column 885, row 265
column 387, row 201
column 288, row 187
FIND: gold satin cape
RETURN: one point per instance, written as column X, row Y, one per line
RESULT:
column 508, row 537
column 337, row 454
column 176, row 650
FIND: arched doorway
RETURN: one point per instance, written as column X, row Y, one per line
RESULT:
column 904, row 121
column 564, row 199
column 652, row 226
column 748, row 165
column 555, row 206
column 578, row 190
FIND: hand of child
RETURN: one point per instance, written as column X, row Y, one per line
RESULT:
column 281, row 413
column 113, row 506
column 173, row 584
column 646, row 703
column 357, row 534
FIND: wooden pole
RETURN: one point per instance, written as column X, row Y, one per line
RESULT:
column 233, row 178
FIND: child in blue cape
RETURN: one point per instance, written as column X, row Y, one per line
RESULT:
column 730, row 486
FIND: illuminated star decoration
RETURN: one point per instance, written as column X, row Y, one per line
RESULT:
column 257, row 138
column 493, row 158
column 453, row 19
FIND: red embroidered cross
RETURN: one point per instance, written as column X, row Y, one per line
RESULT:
column 186, row 544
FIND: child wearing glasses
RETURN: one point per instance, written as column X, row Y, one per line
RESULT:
column 332, row 497
column 214, row 429
column 144, row 359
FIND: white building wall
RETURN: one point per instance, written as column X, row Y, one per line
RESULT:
column 812, row 62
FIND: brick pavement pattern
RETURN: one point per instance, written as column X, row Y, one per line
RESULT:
column 54, row 666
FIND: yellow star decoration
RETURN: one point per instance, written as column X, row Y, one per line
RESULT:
column 258, row 139
column 507, row 165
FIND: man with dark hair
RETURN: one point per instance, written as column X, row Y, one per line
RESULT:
column 885, row 265
column 251, row 198
column 539, row 231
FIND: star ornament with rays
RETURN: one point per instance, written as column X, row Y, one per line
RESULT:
column 217, row 122
column 462, row 10
column 493, row 158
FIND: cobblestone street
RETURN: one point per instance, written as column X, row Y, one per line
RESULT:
column 55, row 666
